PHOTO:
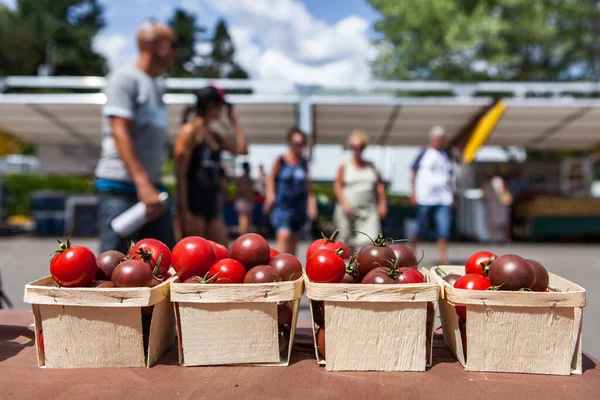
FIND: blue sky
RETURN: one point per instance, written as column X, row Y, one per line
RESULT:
column 311, row 41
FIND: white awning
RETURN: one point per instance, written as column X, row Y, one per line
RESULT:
column 547, row 124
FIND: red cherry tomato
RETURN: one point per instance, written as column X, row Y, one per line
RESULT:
column 471, row 282
column 273, row 253
column 73, row 266
column 149, row 251
column 479, row 262
column 41, row 340
column 227, row 271
column 409, row 275
column 221, row 252
column 325, row 266
column 328, row 243
column 193, row 255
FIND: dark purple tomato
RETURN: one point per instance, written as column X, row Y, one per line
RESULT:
column 452, row 278
column 511, row 272
column 107, row 262
column 194, row 279
column 102, row 284
column 373, row 256
column 287, row 265
column 542, row 279
column 318, row 313
column 262, row 274
column 351, row 278
column 284, row 315
column 132, row 273
column 405, row 256
column 251, row 250
column 379, row 276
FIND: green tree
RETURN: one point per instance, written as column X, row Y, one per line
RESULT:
column 488, row 39
column 59, row 32
column 221, row 63
column 186, row 29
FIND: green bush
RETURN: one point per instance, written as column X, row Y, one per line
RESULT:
column 21, row 186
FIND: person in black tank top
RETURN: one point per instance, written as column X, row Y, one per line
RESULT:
column 198, row 165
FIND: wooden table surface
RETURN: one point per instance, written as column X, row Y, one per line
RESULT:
column 20, row 378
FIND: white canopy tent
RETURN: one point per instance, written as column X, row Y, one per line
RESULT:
column 549, row 123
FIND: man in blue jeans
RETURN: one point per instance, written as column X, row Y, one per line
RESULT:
column 135, row 121
column 431, row 193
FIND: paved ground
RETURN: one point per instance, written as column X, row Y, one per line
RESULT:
column 24, row 259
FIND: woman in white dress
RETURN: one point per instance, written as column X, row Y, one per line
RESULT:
column 497, row 200
column 360, row 192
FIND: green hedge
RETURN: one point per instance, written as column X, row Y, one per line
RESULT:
column 21, row 186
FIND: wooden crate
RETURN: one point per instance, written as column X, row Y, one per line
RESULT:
column 520, row 332
column 376, row 327
column 98, row 327
column 233, row 323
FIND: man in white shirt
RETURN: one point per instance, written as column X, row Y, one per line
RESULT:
column 431, row 184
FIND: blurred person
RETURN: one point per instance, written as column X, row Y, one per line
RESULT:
column 135, row 121
column 289, row 195
column 361, row 200
column 200, row 176
column 244, row 199
column 497, row 200
column 261, row 181
column 431, row 191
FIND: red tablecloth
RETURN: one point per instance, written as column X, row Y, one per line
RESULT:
column 20, row 378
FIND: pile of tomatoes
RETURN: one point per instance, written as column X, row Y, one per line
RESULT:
column 381, row 262
column 487, row 271
column 249, row 260
column 193, row 259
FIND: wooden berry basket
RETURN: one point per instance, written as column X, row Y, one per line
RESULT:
column 519, row 332
column 233, row 323
column 374, row 327
column 99, row 327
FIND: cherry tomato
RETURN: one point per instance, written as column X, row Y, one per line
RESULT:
column 542, row 279
column 132, row 273
column 107, row 262
column 227, row 271
column 378, row 276
column 471, row 282
column 479, row 262
column 41, row 340
column 273, row 253
column 262, row 274
column 251, row 250
column 328, row 243
column 405, row 256
column 409, row 275
column 321, row 341
column 377, row 254
column 193, row 255
column 325, row 266
column 73, row 266
column 511, row 272
column 284, row 315
column 221, row 251
column 452, row 278
column 287, row 265
column 149, row 251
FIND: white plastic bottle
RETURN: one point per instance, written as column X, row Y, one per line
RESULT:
column 134, row 218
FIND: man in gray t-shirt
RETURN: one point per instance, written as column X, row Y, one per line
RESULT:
column 134, row 130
